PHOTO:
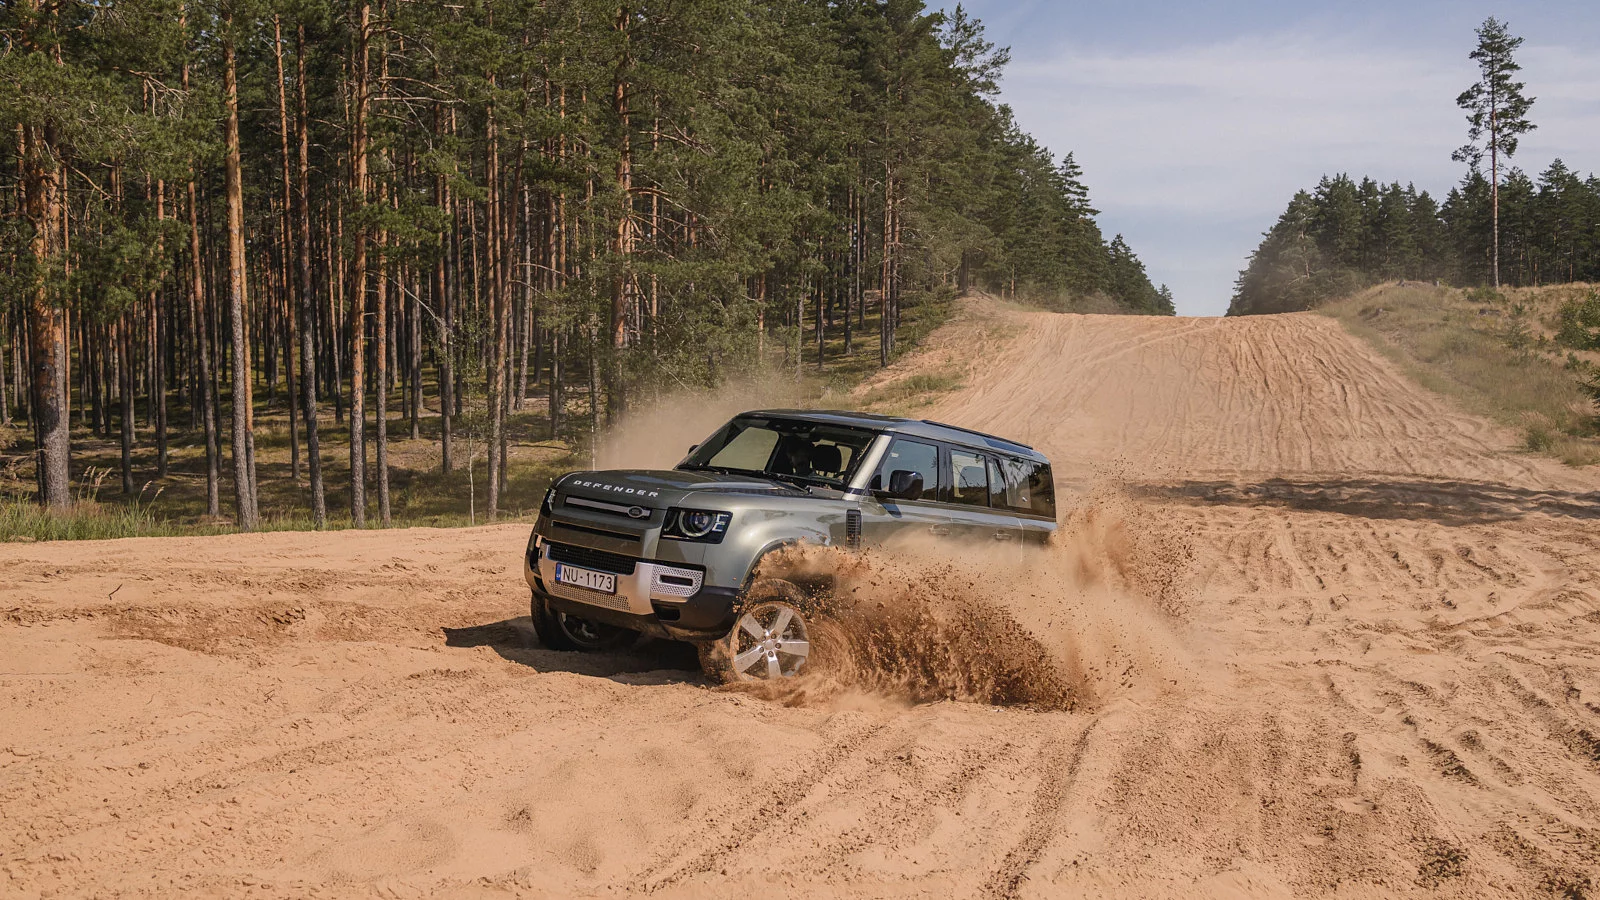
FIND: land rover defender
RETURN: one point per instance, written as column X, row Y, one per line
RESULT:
column 675, row 553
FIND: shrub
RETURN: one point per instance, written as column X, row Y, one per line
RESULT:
column 1580, row 323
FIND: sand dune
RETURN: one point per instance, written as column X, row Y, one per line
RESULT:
column 1327, row 635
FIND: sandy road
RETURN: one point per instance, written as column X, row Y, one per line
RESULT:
column 1341, row 642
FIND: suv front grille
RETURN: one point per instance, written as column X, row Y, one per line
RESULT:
column 611, row 509
column 590, row 558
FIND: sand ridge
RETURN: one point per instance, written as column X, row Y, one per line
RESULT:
column 1335, row 639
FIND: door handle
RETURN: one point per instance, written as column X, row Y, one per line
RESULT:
column 939, row 530
column 1002, row 535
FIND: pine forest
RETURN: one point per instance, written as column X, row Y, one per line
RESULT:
column 484, row 223
column 1346, row 235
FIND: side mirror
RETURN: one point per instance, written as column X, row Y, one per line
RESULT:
column 905, row 485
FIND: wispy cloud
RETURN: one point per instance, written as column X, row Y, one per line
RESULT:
column 1216, row 136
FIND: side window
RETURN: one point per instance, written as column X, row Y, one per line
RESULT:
column 910, row 456
column 969, row 478
column 1030, row 488
column 997, row 486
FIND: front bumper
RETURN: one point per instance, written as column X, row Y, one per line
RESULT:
column 655, row 598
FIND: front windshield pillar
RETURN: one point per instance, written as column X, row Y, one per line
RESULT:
column 869, row 464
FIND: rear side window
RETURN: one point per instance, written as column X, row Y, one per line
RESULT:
column 1030, row 487
column 969, row 478
column 910, row 456
column 997, row 485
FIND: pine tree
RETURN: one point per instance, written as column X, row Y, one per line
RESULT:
column 1497, row 114
column 361, row 202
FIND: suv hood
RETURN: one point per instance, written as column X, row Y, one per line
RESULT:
column 663, row 487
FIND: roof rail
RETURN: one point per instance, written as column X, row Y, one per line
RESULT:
column 989, row 437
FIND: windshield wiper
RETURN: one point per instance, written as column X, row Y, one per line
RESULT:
column 800, row 481
column 804, row 481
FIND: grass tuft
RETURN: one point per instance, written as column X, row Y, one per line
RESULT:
column 1492, row 351
column 913, row 391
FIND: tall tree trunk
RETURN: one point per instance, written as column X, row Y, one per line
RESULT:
column 200, row 338
column 308, row 360
column 525, row 315
column 414, row 335
column 244, row 477
column 885, row 316
column 558, row 277
column 125, row 399
column 47, row 339
column 383, row 357
column 358, row 280
column 852, row 272
column 380, row 377
column 286, row 254
column 497, row 314
column 446, row 353
column 622, row 281
column 160, row 338
column 5, row 407
column 1494, row 188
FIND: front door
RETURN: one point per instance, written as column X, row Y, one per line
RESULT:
column 886, row 520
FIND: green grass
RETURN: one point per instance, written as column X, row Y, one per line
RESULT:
column 913, row 391
column 1489, row 352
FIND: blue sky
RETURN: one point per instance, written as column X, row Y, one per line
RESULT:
column 1195, row 123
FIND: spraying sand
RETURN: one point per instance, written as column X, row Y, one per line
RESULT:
column 1307, row 631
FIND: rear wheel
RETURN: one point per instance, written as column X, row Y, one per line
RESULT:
column 559, row 631
column 770, row 640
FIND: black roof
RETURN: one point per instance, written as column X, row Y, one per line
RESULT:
column 922, row 428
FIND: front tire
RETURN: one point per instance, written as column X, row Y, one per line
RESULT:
column 771, row 639
column 560, row 631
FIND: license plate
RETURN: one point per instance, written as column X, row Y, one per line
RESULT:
column 602, row 582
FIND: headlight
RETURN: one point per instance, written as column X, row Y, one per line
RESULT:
column 703, row 525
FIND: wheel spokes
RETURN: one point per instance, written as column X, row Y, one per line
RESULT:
column 785, row 615
column 744, row 661
column 765, row 631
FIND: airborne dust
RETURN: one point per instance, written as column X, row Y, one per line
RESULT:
column 1089, row 617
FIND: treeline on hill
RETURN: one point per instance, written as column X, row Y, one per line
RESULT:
column 1345, row 236
column 230, row 207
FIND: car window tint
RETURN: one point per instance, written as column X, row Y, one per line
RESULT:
column 969, row 479
column 1042, row 491
column 830, row 459
column 997, row 487
column 750, row 449
column 1018, row 493
column 909, row 456
column 1029, row 487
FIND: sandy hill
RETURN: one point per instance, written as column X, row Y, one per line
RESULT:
column 1328, row 636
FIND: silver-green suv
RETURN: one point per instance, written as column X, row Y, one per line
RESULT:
column 674, row 554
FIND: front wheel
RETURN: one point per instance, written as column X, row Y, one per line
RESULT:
column 560, row 631
column 771, row 639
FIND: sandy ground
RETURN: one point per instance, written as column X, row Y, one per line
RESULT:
column 1326, row 636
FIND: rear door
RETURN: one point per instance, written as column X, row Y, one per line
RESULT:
column 885, row 520
column 975, row 483
column 1030, row 493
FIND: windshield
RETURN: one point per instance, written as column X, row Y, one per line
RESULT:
column 783, row 449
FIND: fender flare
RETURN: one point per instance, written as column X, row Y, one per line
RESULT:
column 770, row 548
